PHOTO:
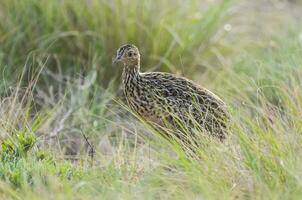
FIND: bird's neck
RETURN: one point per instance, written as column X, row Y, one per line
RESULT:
column 131, row 73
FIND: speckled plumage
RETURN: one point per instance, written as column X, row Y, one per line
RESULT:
column 164, row 98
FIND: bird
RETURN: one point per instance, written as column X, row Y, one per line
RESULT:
column 167, row 100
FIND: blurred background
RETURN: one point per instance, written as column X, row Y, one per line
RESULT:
column 75, row 38
column 57, row 79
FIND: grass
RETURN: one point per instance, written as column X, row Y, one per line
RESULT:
column 58, row 86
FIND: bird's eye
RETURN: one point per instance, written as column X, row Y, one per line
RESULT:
column 130, row 54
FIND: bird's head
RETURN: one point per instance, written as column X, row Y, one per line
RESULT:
column 127, row 54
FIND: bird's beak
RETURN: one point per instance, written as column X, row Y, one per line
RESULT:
column 116, row 60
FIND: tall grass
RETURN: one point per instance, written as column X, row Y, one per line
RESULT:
column 58, row 87
column 84, row 35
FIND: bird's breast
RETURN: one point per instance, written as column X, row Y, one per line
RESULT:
column 139, row 101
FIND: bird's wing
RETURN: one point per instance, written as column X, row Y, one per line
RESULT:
column 170, row 85
column 181, row 91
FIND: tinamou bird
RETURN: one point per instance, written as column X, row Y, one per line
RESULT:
column 170, row 101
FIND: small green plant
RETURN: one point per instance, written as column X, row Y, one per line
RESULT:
column 20, row 161
column 18, row 145
column 13, row 155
